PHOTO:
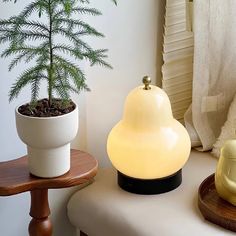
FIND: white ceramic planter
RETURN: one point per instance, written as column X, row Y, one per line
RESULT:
column 48, row 142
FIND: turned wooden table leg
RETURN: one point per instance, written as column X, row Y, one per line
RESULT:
column 40, row 225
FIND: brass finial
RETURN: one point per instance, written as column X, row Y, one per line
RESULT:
column 147, row 81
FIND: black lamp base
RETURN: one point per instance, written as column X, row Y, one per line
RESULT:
column 150, row 186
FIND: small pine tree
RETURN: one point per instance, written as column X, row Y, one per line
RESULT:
column 35, row 41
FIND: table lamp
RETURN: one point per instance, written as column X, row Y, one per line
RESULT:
column 148, row 146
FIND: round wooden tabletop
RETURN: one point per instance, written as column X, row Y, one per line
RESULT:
column 15, row 177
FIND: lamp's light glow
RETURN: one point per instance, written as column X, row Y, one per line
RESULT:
column 148, row 143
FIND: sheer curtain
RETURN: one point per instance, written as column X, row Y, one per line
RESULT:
column 213, row 73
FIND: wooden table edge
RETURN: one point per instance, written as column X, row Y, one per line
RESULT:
column 29, row 182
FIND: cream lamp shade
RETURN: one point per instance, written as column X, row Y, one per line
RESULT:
column 148, row 146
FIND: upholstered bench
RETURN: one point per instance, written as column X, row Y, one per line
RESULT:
column 103, row 209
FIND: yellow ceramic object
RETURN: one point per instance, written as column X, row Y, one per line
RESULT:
column 225, row 177
column 148, row 143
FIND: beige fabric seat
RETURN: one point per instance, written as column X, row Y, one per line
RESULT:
column 103, row 209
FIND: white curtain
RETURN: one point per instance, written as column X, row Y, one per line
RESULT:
column 214, row 73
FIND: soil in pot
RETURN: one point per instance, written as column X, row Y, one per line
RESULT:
column 41, row 108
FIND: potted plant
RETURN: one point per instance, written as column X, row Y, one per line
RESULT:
column 48, row 125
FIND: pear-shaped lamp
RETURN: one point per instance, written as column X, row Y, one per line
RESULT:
column 148, row 146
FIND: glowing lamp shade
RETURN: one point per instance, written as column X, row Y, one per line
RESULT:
column 148, row 146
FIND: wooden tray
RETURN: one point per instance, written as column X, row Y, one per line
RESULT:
column 214, row 208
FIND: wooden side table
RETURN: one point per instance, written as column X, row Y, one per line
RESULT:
column 15, row 178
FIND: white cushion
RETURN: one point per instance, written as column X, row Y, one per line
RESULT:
column 103, row 209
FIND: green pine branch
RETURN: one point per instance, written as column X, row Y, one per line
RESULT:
column 27, row 77
column 34, row 41
column 73, row 24
column 78, row 10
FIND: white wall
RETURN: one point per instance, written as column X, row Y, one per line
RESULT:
column 133, row 36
